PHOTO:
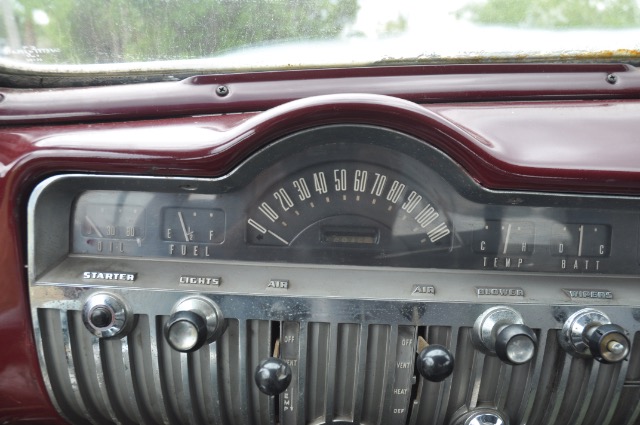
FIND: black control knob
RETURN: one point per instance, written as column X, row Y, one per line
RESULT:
column 607, row 343
column 194, row 321
column 186, row 331
column 273, row 376
column 101, row 316
column 435, row 363
column 516, row 344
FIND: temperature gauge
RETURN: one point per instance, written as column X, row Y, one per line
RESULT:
column 504, row 238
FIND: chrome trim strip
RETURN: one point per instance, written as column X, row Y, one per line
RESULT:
column 154, row 366
column 302, row 371
column 73, row 379
column 100, row 379
column 130, row 392
column 332, row 361
column 560, row 389
column 475, row 380
column 613, row 398
column 531, row 391
column 243, row 362
column 504, row 386
column 385, row 414
column 586, row 394
column 358, row 399
column 38, row 335
column 444, row 394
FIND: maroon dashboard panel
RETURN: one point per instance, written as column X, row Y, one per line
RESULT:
column 562, row 129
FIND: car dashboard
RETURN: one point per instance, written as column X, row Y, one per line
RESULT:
column 405, row 245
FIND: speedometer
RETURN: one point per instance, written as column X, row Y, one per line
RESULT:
column 350, row 204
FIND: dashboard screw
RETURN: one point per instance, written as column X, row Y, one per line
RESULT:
column 612, row 78
column 222, row 91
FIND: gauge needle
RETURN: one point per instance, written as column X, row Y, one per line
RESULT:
column 581, row 230
column 506, row 239
column 93, row 226
column 184, row 227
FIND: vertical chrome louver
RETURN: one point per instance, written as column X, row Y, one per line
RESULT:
column 342, row 373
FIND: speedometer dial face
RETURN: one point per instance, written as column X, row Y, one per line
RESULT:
column 349, row 204
column 351, row 209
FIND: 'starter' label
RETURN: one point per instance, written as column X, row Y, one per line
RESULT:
column 127, row 277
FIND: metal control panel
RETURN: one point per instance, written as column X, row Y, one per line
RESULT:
column 329, row 261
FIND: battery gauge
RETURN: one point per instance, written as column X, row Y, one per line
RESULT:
column 580, row 240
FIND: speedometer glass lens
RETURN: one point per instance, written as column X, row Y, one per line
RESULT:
column 355, row 196
column 343, row 205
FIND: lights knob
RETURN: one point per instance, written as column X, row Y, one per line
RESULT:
column 435, row 363
column 500, row 331
column 186, row 331
column 590, row 333
column 194, row 321
column 272, row 376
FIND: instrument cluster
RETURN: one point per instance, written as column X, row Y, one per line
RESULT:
column 356, row 195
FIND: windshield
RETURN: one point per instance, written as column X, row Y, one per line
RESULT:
column 229, row 35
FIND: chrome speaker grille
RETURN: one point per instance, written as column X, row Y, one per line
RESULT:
column 343, row 373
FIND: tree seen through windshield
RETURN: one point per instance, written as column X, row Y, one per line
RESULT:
column 266, row 34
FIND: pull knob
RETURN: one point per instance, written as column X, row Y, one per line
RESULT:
column 590, row 333
column 194, row 321
column 500, row 331
column 516, row 344
column 607, row 343
column 435, row 363
column 186, row 331
column 272, row 376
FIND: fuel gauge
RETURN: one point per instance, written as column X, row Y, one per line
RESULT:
column 193, row 225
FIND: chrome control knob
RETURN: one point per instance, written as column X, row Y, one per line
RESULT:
column 500, row 331
column 590, row 333
column 435, row 363
column 481, row 416
column 273, row 376
column 485, row 418
column 516, row 344
column 106, row 315
column 194, row 321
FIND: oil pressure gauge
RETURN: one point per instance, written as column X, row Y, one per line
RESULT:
column 109, row 228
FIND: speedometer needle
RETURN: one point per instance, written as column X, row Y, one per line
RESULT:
column 184, row 228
